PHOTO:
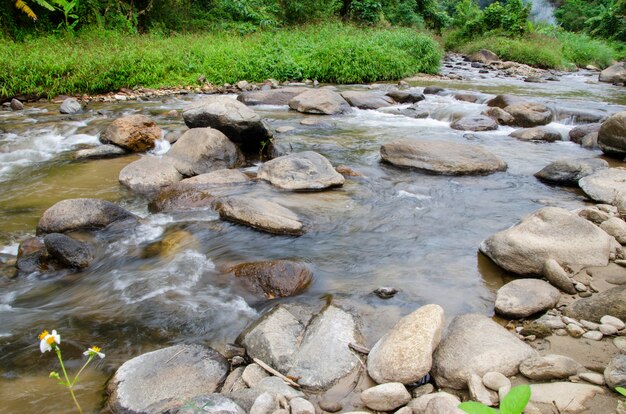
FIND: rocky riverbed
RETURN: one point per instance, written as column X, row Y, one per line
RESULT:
column 305, row 248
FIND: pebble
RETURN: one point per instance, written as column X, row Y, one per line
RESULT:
column 330, row 405
column 561, row 332
column 593, row 377
column 584, row 294
column 580, row 287
column 569, row 320
column 386, row 397
column 593, row 335
column 301, row 406
column 608, row 329
column 575, row 330
column 385, row 292
column 423, row 390
column 612, row 320
column 591, row 326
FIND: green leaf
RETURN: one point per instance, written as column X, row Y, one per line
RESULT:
column 516, row 400
column 473, row 407
column 621, row 390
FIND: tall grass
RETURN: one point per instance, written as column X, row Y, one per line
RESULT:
column 107, row 61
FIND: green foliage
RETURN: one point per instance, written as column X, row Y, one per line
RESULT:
column 368, row 11
column 600, row 18
column 513, row 403
column 622, row 391
column 100, row 61
column 509, row 18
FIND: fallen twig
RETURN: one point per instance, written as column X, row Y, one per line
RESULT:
column 358, row 348
column 276, row 373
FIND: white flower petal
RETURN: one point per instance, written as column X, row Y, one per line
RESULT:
column 44, row 346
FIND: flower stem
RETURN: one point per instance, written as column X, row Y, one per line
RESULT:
column 68, row 384
column 81, row 370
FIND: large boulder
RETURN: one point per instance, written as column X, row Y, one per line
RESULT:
column 239, row 123
column 404, row 354
column 475, row 344
column 612, row 135
column 260, row 214
column 202, row 150
column 134, row 133
column 275, row 278
column 81, row 213
column 319, row 101
column 484, row 56
column 445, row 158
column 537, row 134
column 610, row 302
column 67, row 251
column 149, row 174
column 367, row 100
column 475, row 123
column 605, row 186
column 303, row 171
column 549, row 233
column 163, row 380
column 280, row 96
column 614, row 74
column 524, row 297
column 569, row 171
column 529, row 114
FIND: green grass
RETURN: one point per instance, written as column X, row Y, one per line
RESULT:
column 107, row 61
column 583, row 50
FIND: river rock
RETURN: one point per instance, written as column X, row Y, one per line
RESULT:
column 101, row 151
column 615, row 372
column 537, row 134
column 574, row 330
column 484, row 56
column 149, row 174
column 234, row 381
column 413, row 111
column 163, row 380
column 475, row 123
column 433, row 90
column 569, row 171
column 277, row 386
column 467, row 97
column 607, row 330
column 614, row 74
column 499, row 115
column 616, row 227
column 211, row 403
column 420, row 404
column 549, row 233
column 275, row 278
column 71, row 106
column 404, row 354
column 476, row 344
column 558, row 277
column 443, row 406
column 568, row 397
column 302, row 171
column 263, row 215
column 320, row 101
column 478, row 391
column 386, row 397
column 605, row 186
column 549, row 367
column 612, row 135
column 404, row 97
column 69, row 252
column 446, row 158
column 265, row 403
column 16, row 105
column 134, row 133
column 280, row 96
column 577, row 133
column 202, row 150
column 239, row 123
column 495, row 380
column 81, row 213
column 301, row 406
column 502, row 101
column 366, row 100
column 529, row 114
column 593, row 308
column 524, row 297
column 593, row 377
column 253, row 374
column 613, row 321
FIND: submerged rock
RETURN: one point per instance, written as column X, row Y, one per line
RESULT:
column 502, row 101
column 260, row 214
column 475, row 123
column 405, row 96
column 524, row 297
column 605, row 186
column 303, row 171
column 102, row 151
column 275, row 278
column 549, row 233
column 366, row 100
column 537, row 134
column 280, row 96
column 320, row 101
column 569, row 172
column 610, row 302
column 529, row 114
column 69, row 252
column 612, row 135
column 134, row 133
column 149, row 174
column 441, row 157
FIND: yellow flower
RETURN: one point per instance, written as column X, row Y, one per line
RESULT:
column 47, row 341
column 94, row 351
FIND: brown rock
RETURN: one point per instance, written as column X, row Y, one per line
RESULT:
column 135, row 133
column 275, row 278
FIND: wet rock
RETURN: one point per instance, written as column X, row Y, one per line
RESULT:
column 71, row 106
column 32, row 255
column 569, row 171
column 613, row 321
column 467, row 97
column 537, row 134
column 280, row 96
column 475, row 123
column 275, row 278
column 385, row 292
column 81, row 213
column 134, row 133
column 260, row 214
column 549, row 233
column 499, row 115
column 301, row 406
column 484, row 56
column 605, row 186
column 414, row 338
column 612, row 302
column 102, row 151
column 412, row 111
column 320, row 101
column 162, row 380
column 590, row 141
column 529, row 114
column 265, row 403
column 16, row 105
column 579, row 115
column 558, row 277
column 433, row 90
column 404, row 97
column 386, row 397
column 366, row 100
column 213, row 404
column 549, row 367
column 445, row 158
column 612, row 135
column 567, row 396
column 502, row 101
column 616, row 227
column 524, row 297
column 149, row 174
column 202, row 150
column 476, row 344
column 239, row 123
column 577, row 133
column 303, row 171
column 495, row 380
column 614, row 74
column 69, row 252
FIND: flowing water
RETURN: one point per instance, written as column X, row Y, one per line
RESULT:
column 390, row 227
